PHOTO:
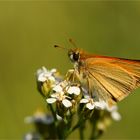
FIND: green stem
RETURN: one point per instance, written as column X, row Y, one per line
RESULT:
column 71, row 130
column 53, row 112
column 58, row 132
column 78, row 125
column 95, row 132
column 81, row 132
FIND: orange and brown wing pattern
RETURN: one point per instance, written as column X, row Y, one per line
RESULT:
column 112, row 78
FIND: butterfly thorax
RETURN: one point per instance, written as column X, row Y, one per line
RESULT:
column 78, row 57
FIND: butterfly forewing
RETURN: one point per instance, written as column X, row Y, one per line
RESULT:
column 112, row 78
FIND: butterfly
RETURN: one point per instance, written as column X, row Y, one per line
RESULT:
column 108, row 78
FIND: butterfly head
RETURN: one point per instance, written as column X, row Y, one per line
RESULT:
column 74, row 55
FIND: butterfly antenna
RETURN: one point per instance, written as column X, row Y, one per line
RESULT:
column 72, row 42
column 57, row 46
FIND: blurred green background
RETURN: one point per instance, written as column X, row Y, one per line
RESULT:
column 28, row 31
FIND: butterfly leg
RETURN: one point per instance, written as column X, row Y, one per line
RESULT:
column 89, row 87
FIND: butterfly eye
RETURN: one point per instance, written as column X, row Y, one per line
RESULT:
column 75, row 56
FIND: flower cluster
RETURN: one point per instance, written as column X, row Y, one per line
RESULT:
column 67, row 101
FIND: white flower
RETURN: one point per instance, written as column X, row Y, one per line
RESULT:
column 44, row 75
column 39, row 117
column 114, row 113
column 32, row 136
column 60, row 92
column 51, row 100
column 59, row 117
column 84, row 100
column 60, row 96
column 58, row 88
column 73, row 90
column 66, row 103
column 100, row 104
column 91, row 104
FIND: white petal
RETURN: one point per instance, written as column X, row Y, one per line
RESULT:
column 44, row 69
column 100, row 104
column 84, row 101
column 41, row 77
column 51, row 100
column 30, row 136
column 58, row 88
column 74, row 90
column 112, row 108
column 43, row 74
column 53, row 70
column 51, row 78
column 46, row 72
column 116, row 116
column 55, row 95
column 58, row 117
column 66, row 103
column 90, row 106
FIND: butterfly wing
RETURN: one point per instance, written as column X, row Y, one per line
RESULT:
column 112, row 79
